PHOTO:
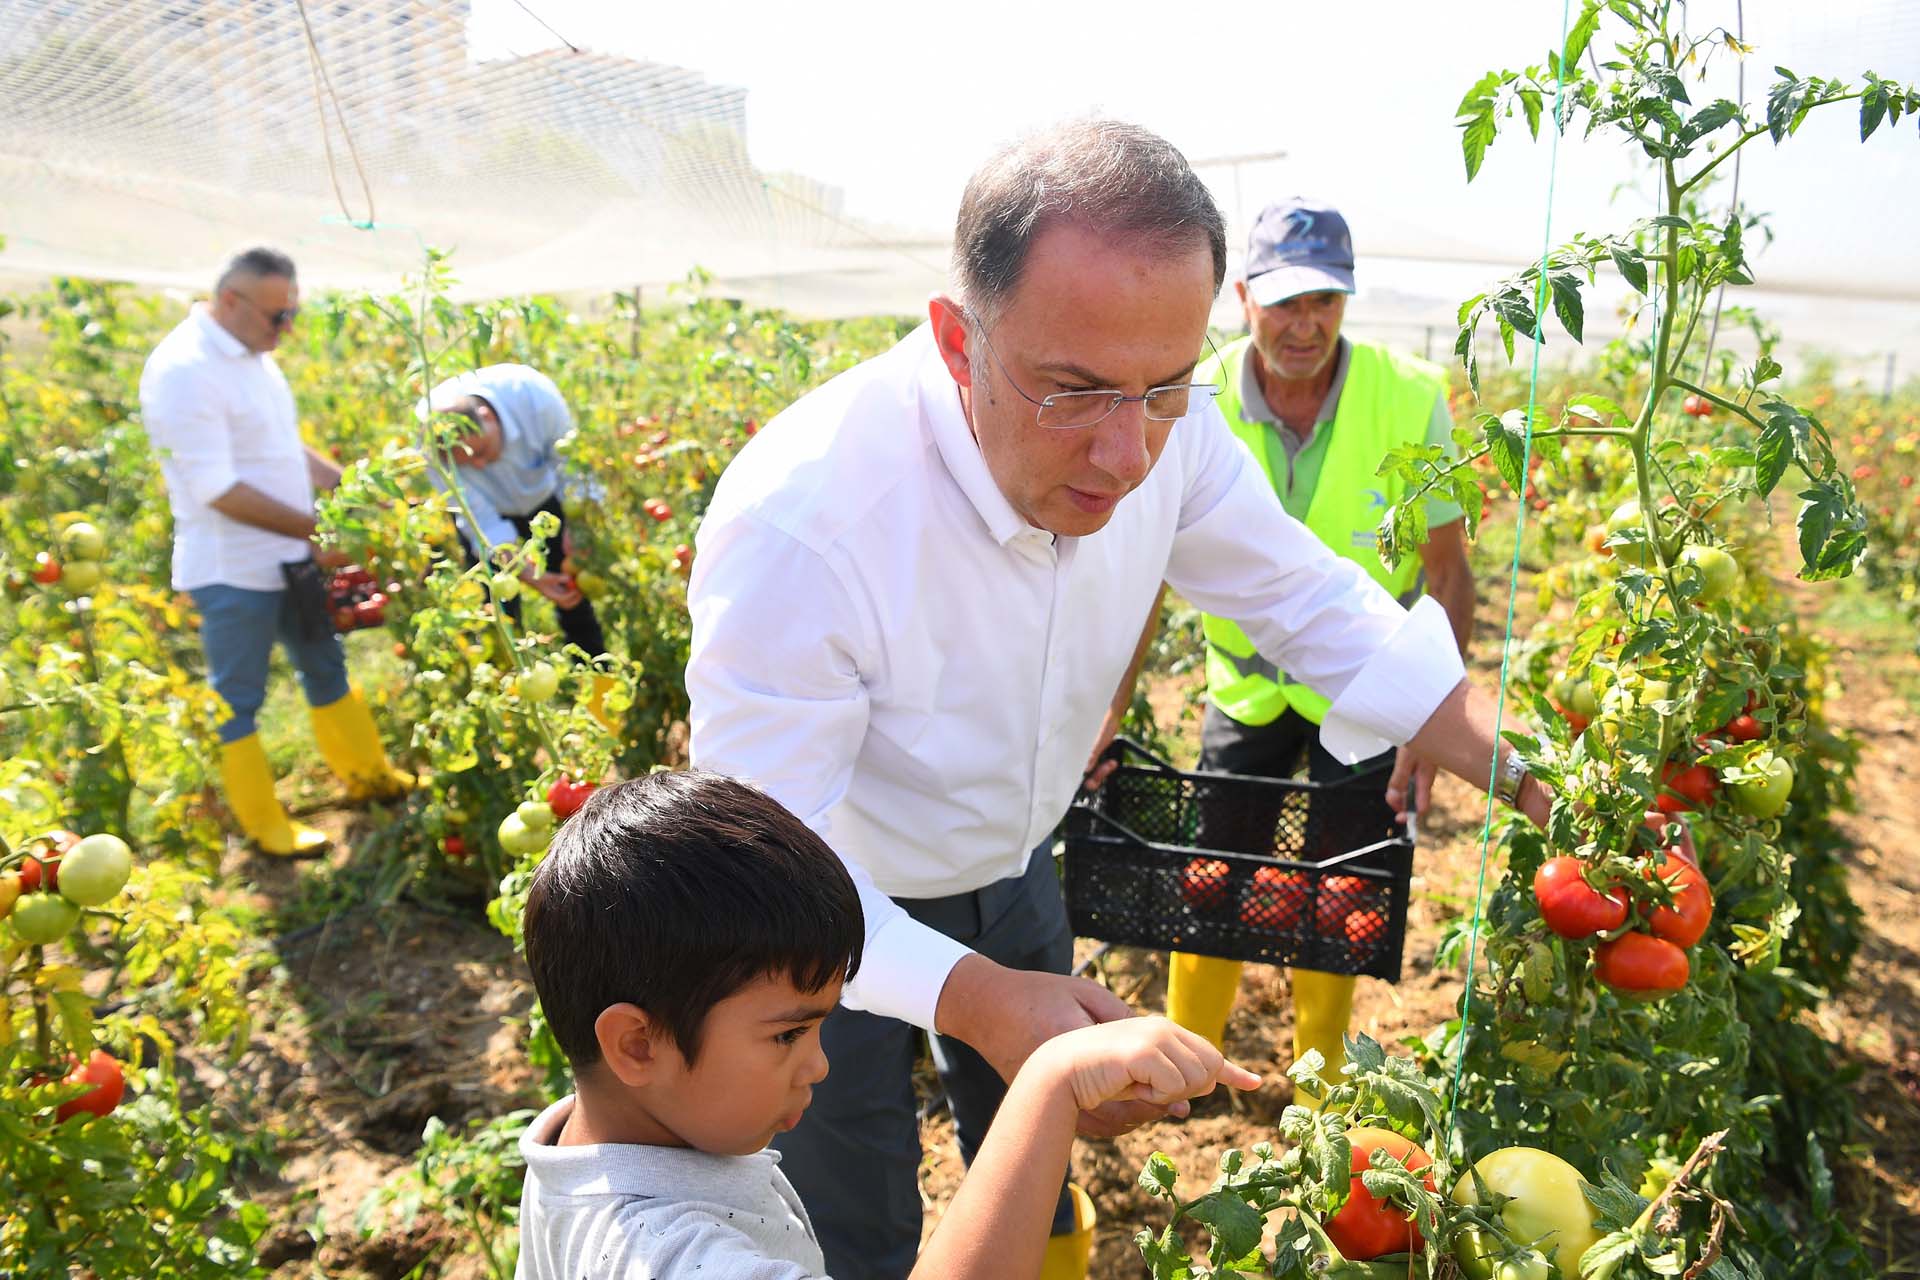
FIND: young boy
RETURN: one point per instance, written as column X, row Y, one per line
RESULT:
column 687, row 935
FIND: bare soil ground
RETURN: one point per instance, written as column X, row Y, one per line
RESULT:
column 398, row 1014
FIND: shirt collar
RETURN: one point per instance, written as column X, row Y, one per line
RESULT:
column 677, row 1173
column 940, row 405
column 222, row 341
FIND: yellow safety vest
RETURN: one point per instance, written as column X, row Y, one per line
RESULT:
column 1387, row 400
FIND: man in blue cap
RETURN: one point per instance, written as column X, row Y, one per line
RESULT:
column 1319, row 412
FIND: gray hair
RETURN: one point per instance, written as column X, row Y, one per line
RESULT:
column 1115, row 178
column 253, row 264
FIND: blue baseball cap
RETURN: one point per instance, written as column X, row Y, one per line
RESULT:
column 1298, row 246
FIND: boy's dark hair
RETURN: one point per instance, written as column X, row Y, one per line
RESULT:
column 672, row 892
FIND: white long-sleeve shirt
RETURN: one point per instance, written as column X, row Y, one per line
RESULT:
column 885, row 646
column 219, row 414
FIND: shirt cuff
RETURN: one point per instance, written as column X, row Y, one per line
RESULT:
column 1399, row 689
column 903, row 968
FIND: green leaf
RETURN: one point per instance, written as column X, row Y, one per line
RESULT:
column 1476, row 134
column 1784, row 103
column 1596, row 408
column 1566, row 302
column 1236, row 1224
column 75, row 1009
column 1765, row 369
column 1775, row 452
column 1580, row 34
column 1630, row 266
column 1158, row 1176
column 1507, row 440
column 1873, row 105
column 1833, row 532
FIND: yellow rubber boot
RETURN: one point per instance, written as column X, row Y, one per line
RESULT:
column 1200, row 993
column 249, row 787
column 350, row 744
column 1322, row 1008
column 1067, row 1256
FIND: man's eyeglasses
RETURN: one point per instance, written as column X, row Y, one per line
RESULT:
column 280, row 319
column 1069, row 410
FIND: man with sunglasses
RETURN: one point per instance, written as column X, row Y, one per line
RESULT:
column 240, row 482
column 917, row 589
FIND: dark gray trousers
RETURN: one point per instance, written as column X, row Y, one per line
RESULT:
column 855, row 1157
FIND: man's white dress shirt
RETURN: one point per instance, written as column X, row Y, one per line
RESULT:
column 886, row 647
column 220, row 414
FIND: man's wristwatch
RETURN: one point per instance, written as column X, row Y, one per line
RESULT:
column 1506, row 784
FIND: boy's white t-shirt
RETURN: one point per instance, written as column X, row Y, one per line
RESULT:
column 619, row 1211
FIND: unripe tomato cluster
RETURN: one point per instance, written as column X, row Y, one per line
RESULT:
column 77, row 563
column 43, row 891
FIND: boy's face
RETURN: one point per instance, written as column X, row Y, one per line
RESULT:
column 759, row 1059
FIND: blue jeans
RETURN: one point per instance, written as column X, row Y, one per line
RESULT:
column 237, row 631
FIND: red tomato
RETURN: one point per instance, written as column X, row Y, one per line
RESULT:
column 108, row 1081
column 343, row 618
column 1366, row 929
column 1685, row 922
column 1641, row 966
column 1365, row 1228
column 1204, row 883
column 659, row 510
column 1573, row 908
column 1743, row 728
column 1341, row 896
column 45, row 568
column 1277, row 901
column 1691, row 787
column 566, row 796
column 369, row 614
column 1697, row 406
column 46, row 866
column 454, row 847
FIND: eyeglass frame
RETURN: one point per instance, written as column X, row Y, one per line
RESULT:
column 1119, row 398
column 281, row 319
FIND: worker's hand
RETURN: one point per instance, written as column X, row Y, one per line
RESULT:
column 1412, row 779
column 1005, row 1014
column 331, row 558
column 1148, row 1060
column 1098, row 769
column 557, row 587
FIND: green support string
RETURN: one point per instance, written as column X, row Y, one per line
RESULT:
column 1513, row 578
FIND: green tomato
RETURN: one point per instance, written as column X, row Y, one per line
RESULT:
column 40, row 918
column 1580, row 699
column 1627, row 516
column 506, row 585
column 518, row 839
column 539, row 682
column 1548, row 1210
column 1479, row 1260
column 1762, row 797
column 82, row 541
column 82, row 576
column 1719, row 572
column 535, row 815
column 95, row 870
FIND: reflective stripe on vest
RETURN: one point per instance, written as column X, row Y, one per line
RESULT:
column 1386, row 400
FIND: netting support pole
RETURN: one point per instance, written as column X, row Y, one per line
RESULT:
column 633, row 338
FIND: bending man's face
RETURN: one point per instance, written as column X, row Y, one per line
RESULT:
column 1088, row 314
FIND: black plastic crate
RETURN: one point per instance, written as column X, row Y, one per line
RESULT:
column 1244, row 868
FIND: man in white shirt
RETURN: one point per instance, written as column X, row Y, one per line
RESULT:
column 917, row 589
column 240, row 483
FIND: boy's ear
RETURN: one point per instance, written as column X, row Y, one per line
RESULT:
column 632, row 1044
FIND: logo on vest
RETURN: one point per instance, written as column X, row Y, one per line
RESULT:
column 1376, row 500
